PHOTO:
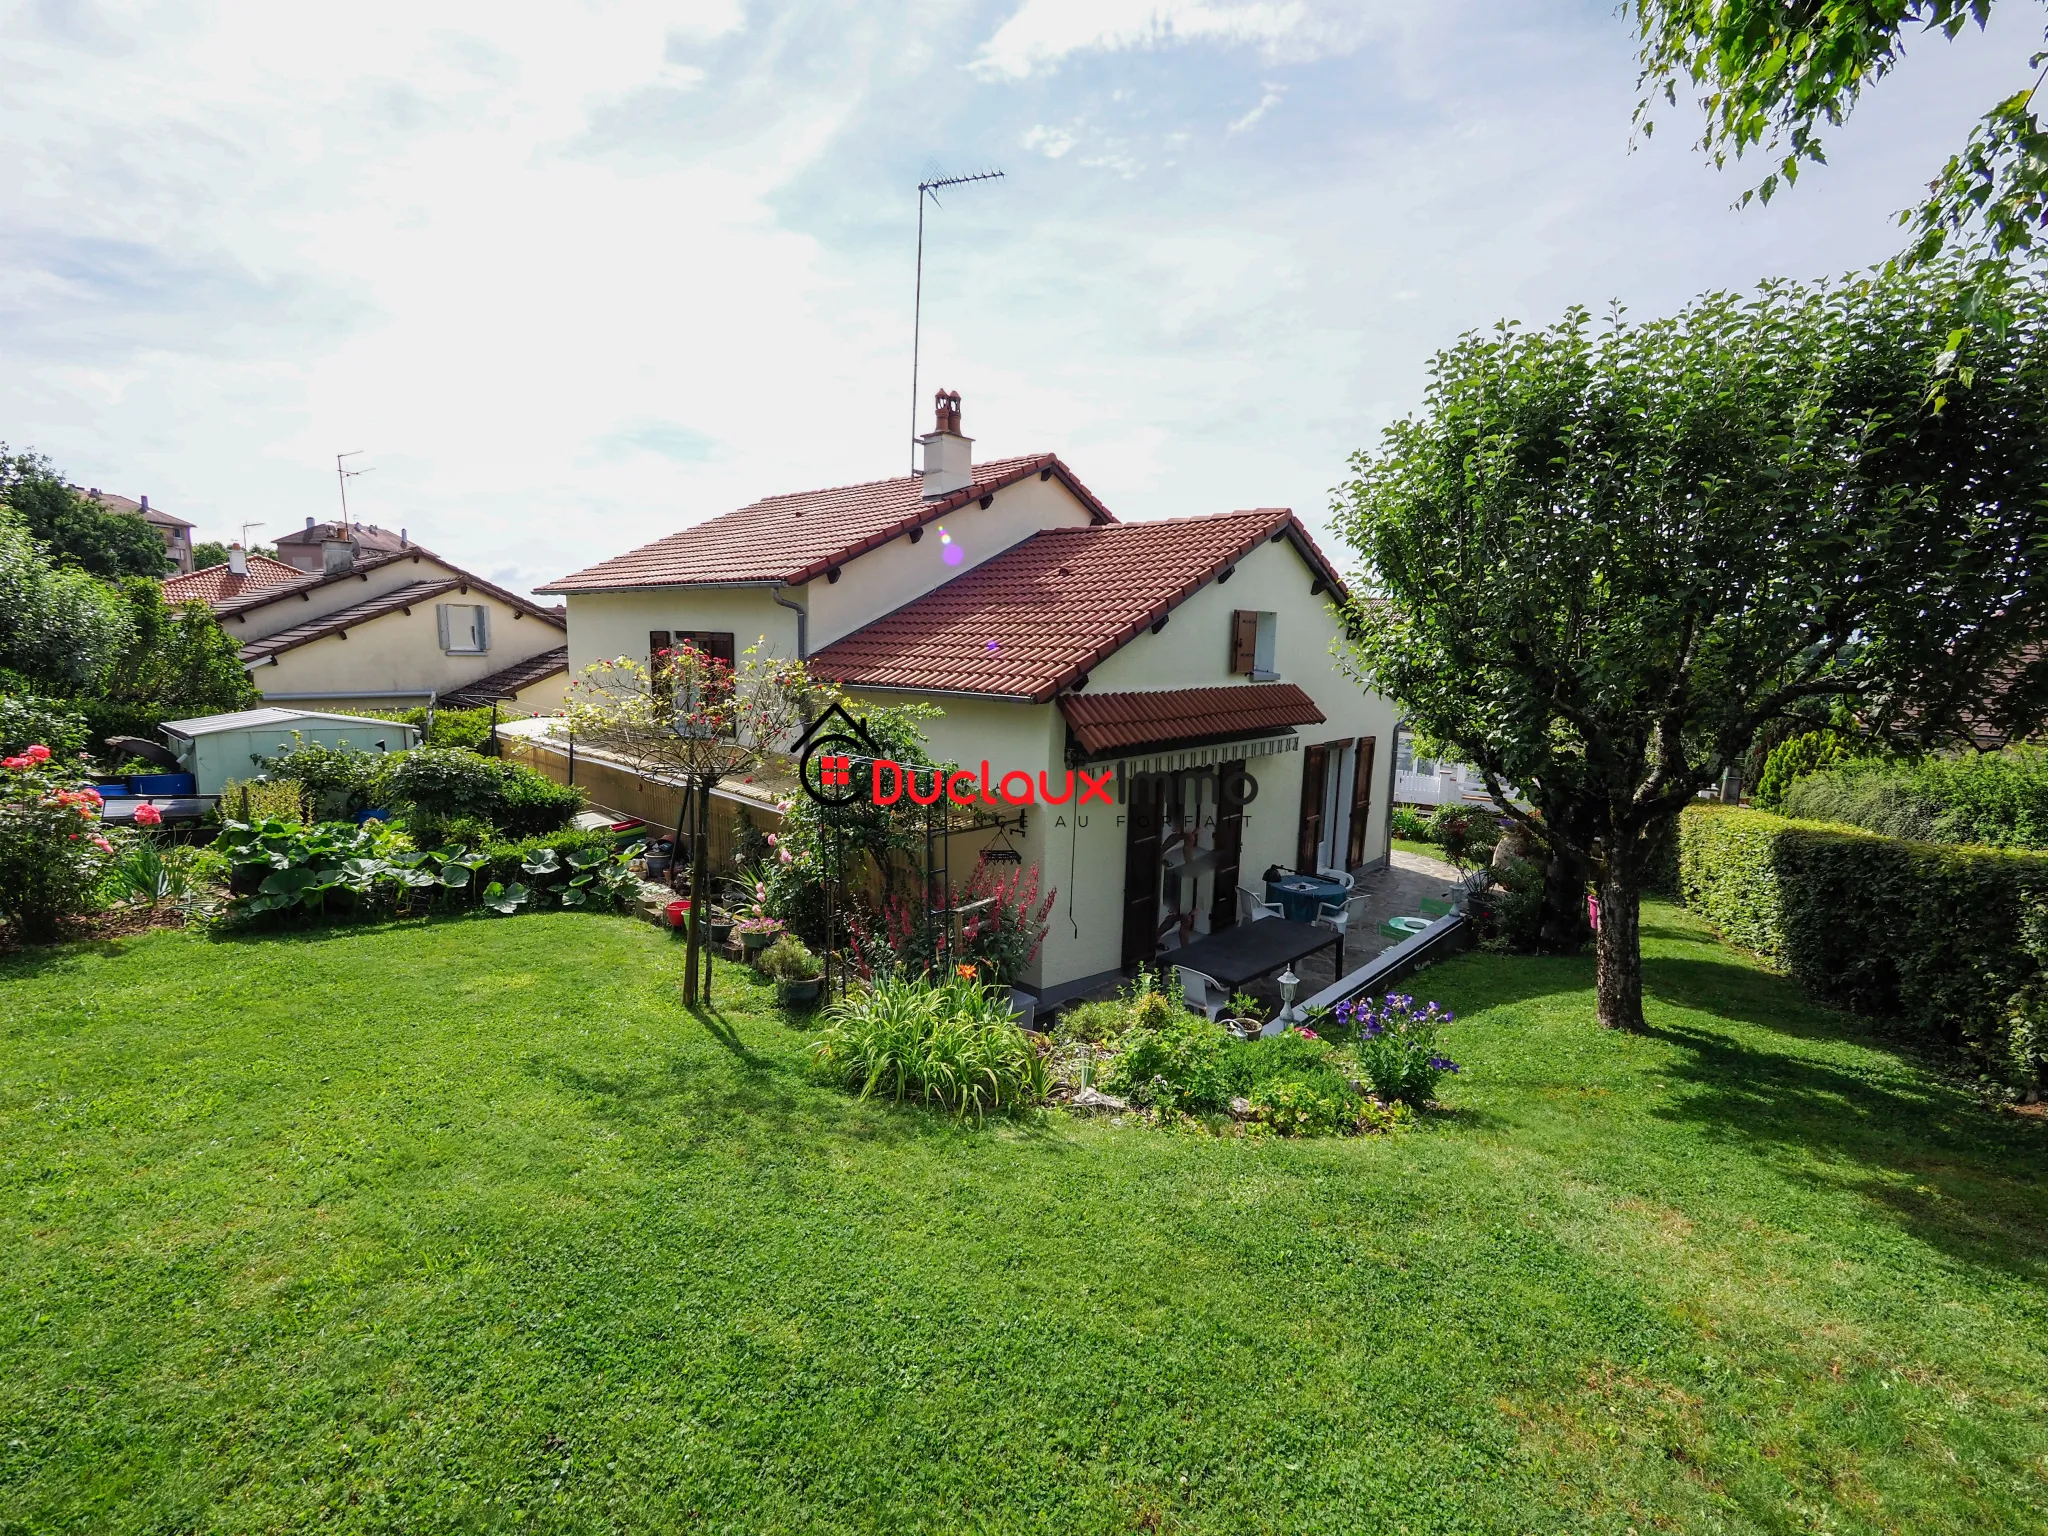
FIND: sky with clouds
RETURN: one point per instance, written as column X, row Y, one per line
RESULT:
column 574, row 276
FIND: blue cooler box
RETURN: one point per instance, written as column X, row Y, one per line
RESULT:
column 162, row 784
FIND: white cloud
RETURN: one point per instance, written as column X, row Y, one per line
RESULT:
column 1043, row 32
column 1272, row 98
column 1049, row 142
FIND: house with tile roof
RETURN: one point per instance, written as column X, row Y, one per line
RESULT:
column 174, row 531
column 1173, row 654
column 390, row 629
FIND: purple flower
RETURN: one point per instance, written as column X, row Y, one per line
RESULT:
column 1443, row 1064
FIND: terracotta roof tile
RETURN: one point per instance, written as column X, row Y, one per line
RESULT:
column 507, row 683
column 794, row 538
column 1105, row 722
column 217, row 584
column 1030, row 621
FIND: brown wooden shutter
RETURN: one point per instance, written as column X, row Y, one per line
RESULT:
column 1244, row 640
column 1144, row 814
column 658, row 640
column 1315, row 764
column 1361, row 803
column 718, row 646
column 662, row 685
column 1229, row 852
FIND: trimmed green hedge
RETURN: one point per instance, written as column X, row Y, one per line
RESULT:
column 1953, row 940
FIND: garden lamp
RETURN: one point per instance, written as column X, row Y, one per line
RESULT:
column 1288, row 982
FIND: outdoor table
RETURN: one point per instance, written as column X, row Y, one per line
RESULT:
column 1300, row 895
column 1250, row 950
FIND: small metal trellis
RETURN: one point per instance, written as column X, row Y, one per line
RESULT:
column 940, row 825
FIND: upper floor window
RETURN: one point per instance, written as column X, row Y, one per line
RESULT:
column 1253, row 640
column 465, row 628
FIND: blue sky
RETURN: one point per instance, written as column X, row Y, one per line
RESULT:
column 575, row 276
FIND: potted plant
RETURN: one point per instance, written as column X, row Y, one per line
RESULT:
column 797, row 972
column 758, row 932
column 720, row 924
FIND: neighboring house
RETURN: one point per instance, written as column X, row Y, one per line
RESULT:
column 1054, row 637
column 1432, row 781
column 174, row 531
column 307, row 549
column 401, row 626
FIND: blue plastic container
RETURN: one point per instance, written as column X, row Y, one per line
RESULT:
column 162, row 784
column 112, row 791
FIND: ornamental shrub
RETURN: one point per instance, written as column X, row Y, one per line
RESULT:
column 27, row 719
column 1796, row 758
column 1176, row 1063
column 1995, row 798
column 954, row 1045
column 1398, row 1051
column 1953, row 941
column 54, row 853
column 443, row 783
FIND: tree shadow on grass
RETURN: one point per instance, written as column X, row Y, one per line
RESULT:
column 1954, row 1173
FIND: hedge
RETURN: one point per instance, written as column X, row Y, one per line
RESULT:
column 1952, row 940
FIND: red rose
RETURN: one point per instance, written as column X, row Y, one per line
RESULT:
column 148, row 816
column 37, row 754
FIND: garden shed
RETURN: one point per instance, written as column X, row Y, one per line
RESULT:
column 218, row 748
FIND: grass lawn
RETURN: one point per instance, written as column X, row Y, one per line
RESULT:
column 1426, row 850
column 466, row 1226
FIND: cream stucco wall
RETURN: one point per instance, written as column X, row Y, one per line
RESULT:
column 884, row 579
column 604, row 625
column 402, row 652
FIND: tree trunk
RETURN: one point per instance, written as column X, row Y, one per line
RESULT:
column 1563, row 928
column 1618, row 948
column 700, row 852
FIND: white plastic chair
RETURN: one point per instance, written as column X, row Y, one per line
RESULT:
column 1337, row 915
column 1204, row 994
column 1250, row 908
column 1338, row 877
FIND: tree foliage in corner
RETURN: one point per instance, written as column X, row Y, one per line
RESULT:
column 1608, row 555
column 75, row 531
column 1773, row 76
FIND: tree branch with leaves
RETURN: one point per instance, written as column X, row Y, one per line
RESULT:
column 1605, row 556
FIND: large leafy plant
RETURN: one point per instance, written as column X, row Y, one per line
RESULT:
column 954, row 1045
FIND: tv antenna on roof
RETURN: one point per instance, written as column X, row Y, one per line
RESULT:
column 929, row 188
column 344, row 476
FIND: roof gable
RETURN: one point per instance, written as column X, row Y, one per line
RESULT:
column 792, row 539
column 302, row 583
column 1040, row 615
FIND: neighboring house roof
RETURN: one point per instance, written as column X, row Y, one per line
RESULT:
column 155, row 516
column 217, row 584
column 366, row 535
column 508, row 683
column 305, row 583
column 795, row 538
column 344, row 620
column 1035, row 618
column 1185, row 717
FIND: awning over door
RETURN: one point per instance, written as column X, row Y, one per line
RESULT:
column 1180, row 719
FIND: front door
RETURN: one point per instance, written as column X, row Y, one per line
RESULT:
column 1144, row 821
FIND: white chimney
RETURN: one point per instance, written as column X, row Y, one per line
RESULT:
column 948, row 457
column 238, row 560
column 336, row 555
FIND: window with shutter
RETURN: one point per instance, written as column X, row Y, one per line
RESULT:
column 1244, row 641
column 465, row 628
column 1361, row 803
column 1315, row 763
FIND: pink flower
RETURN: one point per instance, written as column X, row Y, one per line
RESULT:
column 1308, row 1034
column 16, row 762
column 148, row 816
column 785, row 856
column 773, row 839
column 37, row 753
column 103, row 845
